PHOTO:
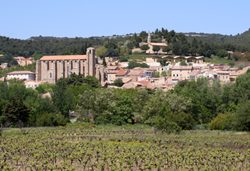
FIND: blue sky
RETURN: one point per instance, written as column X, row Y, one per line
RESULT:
column 84, row 18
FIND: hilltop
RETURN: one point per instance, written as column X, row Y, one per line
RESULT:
column 120, row 45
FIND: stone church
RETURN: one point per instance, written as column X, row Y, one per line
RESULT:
column 52, row 68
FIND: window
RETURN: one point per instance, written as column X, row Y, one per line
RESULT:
column 50, row 75
column 47, row 65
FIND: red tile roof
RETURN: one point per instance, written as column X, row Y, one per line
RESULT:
column 63, row 57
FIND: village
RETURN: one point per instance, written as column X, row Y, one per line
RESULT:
column 154, row 76
column 160, row 71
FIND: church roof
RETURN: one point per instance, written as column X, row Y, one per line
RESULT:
column 63, row 57
column 20, row 72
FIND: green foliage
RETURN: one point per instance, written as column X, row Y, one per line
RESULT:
column 156, row 74
column 118, row 82
column 31, row 67
column 167, row 126
column 156, row 48
column 62, row 98
column 116, row 106
column 133, row 64
column 169, row 107
column 8, row 58
column 183, row 63
column 14, row 112
column 144, row 47
column 129, row 147
column 204, row 96
column 222, row 53
column 223, row 121
column 242, row 116
column 163, row 73
column 101, row 51
column 44, row 88
column 51, row 119
column 242, row 87
column 123, row 59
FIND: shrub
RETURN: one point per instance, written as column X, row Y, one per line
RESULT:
column 51, row 119
column 222, row 121
column 167, row 126
column 118, row 82
column 144, row 47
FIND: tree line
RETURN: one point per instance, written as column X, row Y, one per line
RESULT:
column 200, row 104
column 179, row 44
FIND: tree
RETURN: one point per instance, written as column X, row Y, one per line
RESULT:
column 168, row 107
column 242, row 117
column 101, row 51
column 133, row 64
column 156, row 48
column 15, row 112
column 62, row 98
column 144, row 47
column 118, row 82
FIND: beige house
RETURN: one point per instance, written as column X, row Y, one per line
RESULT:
column 179, row 73
column 116, row 74
column 52, row 68
column 223, row 76
column 22, row 61
column 136, row 73
column 188, row 59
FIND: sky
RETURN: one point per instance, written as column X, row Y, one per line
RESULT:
column 85, row 18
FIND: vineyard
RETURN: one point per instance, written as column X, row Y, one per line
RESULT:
column 89, row 147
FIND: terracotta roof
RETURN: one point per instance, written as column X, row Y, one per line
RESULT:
column 63, row 57
column 121, row 72
column 136, row 72
column 20, row 72
column 181, row 68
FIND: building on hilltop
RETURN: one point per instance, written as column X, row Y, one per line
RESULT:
column 52, row 68
column 151, row 46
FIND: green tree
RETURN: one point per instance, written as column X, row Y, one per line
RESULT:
column 118, row 82
column 156, row 48
column 144, row 47
column 101, row 51
column 168, row 107
column 242, row 117
column 62, row 98
column 14, row 112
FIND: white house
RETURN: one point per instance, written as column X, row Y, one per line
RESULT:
column 21, row 75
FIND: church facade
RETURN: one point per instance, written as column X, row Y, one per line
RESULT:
column 51, row 68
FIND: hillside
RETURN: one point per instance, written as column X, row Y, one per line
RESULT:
column 240, row 41
column 119, row 45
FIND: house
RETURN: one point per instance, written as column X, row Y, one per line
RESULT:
column 223, row 76
column 22, row 61
column 21, row 75
column 179, row 73
column 113, row 75
column 136, row 73
column 188, row 59
column 4, row 65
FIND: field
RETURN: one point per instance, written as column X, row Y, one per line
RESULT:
column 89, row 147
